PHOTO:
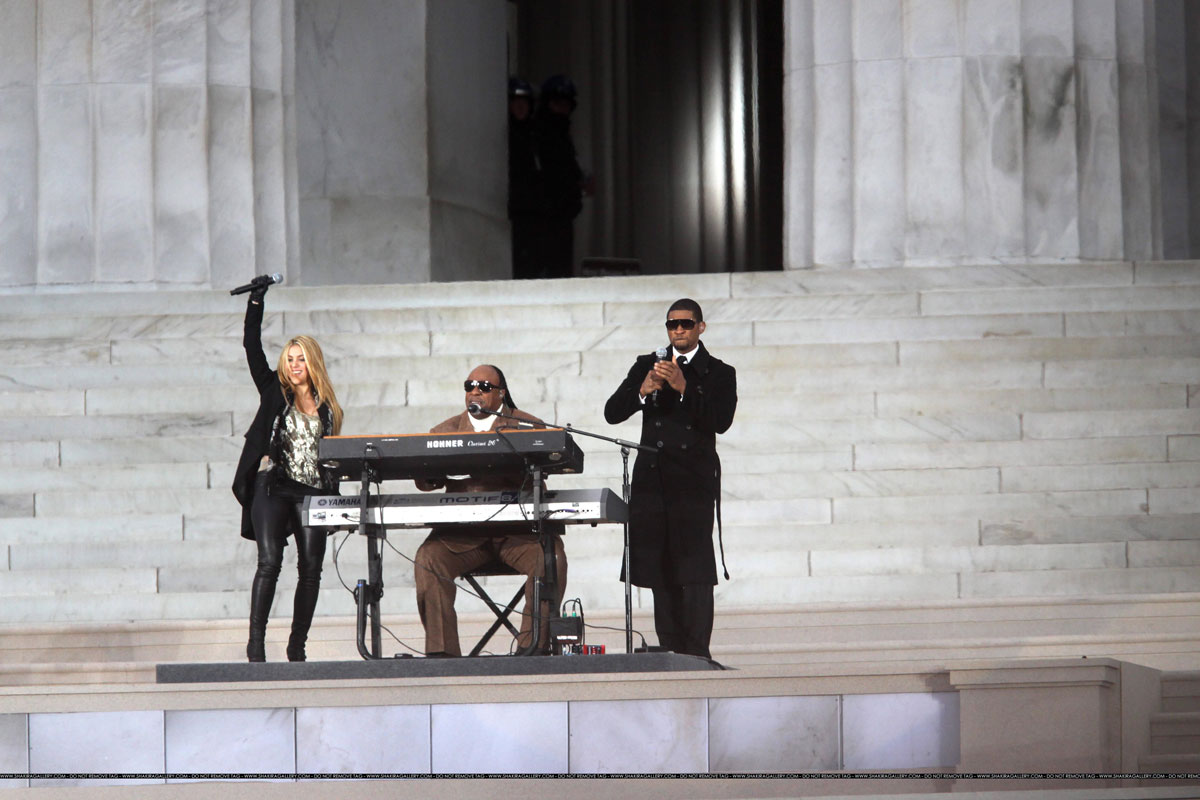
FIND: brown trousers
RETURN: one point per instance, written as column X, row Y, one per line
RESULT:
column 437, row 565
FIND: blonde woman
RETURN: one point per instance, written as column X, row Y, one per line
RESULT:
column 278, row 467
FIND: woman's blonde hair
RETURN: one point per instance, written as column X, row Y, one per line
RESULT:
column 317, row 375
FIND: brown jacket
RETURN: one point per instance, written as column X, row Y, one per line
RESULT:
column 460, row 538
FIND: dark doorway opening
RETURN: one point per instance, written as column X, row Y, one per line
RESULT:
column 679, row 125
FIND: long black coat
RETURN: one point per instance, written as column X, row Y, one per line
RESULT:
column 272, row 405
column 674, row 490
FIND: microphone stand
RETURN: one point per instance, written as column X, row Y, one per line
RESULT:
column 625, row 446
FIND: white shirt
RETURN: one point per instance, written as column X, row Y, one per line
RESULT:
column 675, row 354
column 481, row 425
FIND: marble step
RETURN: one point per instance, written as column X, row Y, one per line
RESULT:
column 664, row 288
column 106, row 477
column 940, row 631
column 152, row 552
column 1163, row 652
column 1092, row 424
column 43, row 402
column 1022, row 452
column 1181, row 691
column 1145, row 535
column 903, row 560
column 51, row 585
column 928, row 303
column 213, row 350
column 1027, row 300
column 819, row 624
column 1068, row 349
column 902, row 403
column 1131, row 323
column 16, row 505
column 65, row 353
column 99, row 324
column 33, row 454
column 384, row 296
column 949, row 585
column 1131, row 529
column 602, row 371
column 91, row 453
column 35, row 428
column 84, row 604
column 53, row 533
column 1175, row 733
column 817, row 281
column 977, row 327
column 99, row 598
column 1144, row 628
column 1091, row 477
column 1170, row 763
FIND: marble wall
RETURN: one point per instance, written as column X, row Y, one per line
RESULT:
column 199, row 142
column 973, row 131
column 401, row 141
column 141, row 141
column 668, row 735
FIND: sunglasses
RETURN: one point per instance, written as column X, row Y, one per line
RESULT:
column 484, row 386
column 686, row 324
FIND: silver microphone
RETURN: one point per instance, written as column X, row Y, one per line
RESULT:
column 474, row 408
column 661, row 354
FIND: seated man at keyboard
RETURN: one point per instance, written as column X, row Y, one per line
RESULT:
column 452, row 551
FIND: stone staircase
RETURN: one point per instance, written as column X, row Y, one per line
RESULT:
column 926, row 463
column 1175, row 731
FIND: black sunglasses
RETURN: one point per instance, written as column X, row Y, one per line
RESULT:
column 484, row 386
column 686, row 324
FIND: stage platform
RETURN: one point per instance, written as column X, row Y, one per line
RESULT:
column 408, row 667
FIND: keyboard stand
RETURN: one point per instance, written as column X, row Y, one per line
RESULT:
column 367, row 594
column 549, row 580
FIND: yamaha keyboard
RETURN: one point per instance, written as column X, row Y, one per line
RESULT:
column 572, row 506
column 436, row 455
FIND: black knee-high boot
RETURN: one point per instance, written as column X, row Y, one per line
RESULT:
column 262, row 593
column 310, row 543
column 302, row 613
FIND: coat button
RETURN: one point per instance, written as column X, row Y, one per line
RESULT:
column 659, row 443
column 658, row 423
column 688, row 427
column 684, row 446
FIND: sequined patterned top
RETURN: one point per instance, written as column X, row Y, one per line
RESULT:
column 300, row 435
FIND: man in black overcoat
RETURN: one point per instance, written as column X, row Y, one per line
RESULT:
column 685, row 398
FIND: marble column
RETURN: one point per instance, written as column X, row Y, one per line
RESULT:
column 401, row 140
column 934, row 132
column 142, row 141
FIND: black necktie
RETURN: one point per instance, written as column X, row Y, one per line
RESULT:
column 681, row 361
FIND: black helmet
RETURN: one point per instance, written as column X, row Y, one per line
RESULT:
column 519, row 87
column 559, row 86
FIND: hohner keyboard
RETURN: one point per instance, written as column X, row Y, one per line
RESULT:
column 431, row 455
column 573, row 507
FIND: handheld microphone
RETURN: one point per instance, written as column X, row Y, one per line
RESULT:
column 261, row 280
column 661, row 354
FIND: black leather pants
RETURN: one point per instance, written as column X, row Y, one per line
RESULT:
column 274, row 518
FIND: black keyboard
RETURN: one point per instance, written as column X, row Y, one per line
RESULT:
column 436, row 455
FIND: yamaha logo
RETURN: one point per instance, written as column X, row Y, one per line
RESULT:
column 337, row 502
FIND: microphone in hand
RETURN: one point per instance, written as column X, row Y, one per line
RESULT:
column 661, row 354
column 261, row 282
